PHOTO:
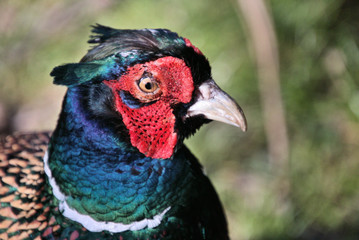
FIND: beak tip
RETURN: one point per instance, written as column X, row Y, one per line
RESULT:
column 244, row 128
column 243, row 125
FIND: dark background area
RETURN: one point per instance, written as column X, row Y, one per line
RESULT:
column 293, row 66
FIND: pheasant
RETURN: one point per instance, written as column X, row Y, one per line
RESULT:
column 116, row 167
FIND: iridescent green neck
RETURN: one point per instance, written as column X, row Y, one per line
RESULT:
column 99, row 179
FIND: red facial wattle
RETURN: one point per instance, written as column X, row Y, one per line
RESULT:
column 151, row 127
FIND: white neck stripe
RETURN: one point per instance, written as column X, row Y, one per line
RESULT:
column 88, row 222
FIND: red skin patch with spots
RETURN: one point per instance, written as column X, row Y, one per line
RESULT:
column 189, row 44
column 151, row 127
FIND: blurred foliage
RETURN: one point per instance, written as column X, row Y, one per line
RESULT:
column 319, row 58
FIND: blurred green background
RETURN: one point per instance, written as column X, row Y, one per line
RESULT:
column 292, row 65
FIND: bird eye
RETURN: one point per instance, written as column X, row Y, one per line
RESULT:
column 148, row 85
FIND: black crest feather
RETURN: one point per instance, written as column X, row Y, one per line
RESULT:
column 102, row 33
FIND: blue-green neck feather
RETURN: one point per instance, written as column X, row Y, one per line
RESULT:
column 106, row 178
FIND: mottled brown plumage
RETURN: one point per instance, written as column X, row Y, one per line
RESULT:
column 25, row 205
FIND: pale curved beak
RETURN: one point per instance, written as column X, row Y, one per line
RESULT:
column 215, row 104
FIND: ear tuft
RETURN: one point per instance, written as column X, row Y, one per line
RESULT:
column 78, row 73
